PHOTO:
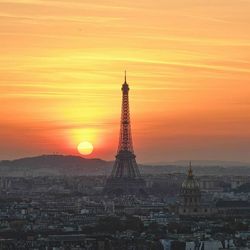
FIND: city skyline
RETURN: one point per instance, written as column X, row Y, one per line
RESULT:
column 187, row 65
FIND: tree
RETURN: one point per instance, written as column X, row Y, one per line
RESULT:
column 133, row 223
column 109, row 224
column 17, row 225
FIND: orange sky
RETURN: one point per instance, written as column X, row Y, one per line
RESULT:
column 188, row 63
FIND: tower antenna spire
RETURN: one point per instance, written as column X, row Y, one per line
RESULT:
column 125, row 77
column 190, row 171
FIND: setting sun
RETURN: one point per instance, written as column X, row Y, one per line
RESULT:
column 85, row 148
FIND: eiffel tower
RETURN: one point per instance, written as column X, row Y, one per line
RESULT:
column 125, row 178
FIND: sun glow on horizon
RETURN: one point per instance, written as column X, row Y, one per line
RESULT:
column 85, row 148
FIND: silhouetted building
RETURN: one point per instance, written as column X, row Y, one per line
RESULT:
column 191, row 204
column 125, row 178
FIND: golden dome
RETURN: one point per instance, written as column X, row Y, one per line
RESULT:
column 190, row 183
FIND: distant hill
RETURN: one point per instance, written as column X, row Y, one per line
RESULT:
column 47, row 165
column 54, row 165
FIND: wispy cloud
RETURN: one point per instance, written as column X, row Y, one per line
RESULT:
column 62, row 64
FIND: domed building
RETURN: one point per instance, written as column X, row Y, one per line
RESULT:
column 190, row 197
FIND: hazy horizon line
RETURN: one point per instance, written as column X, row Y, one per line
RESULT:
column 169, row 162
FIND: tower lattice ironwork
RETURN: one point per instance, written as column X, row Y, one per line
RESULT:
column 125, row 177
